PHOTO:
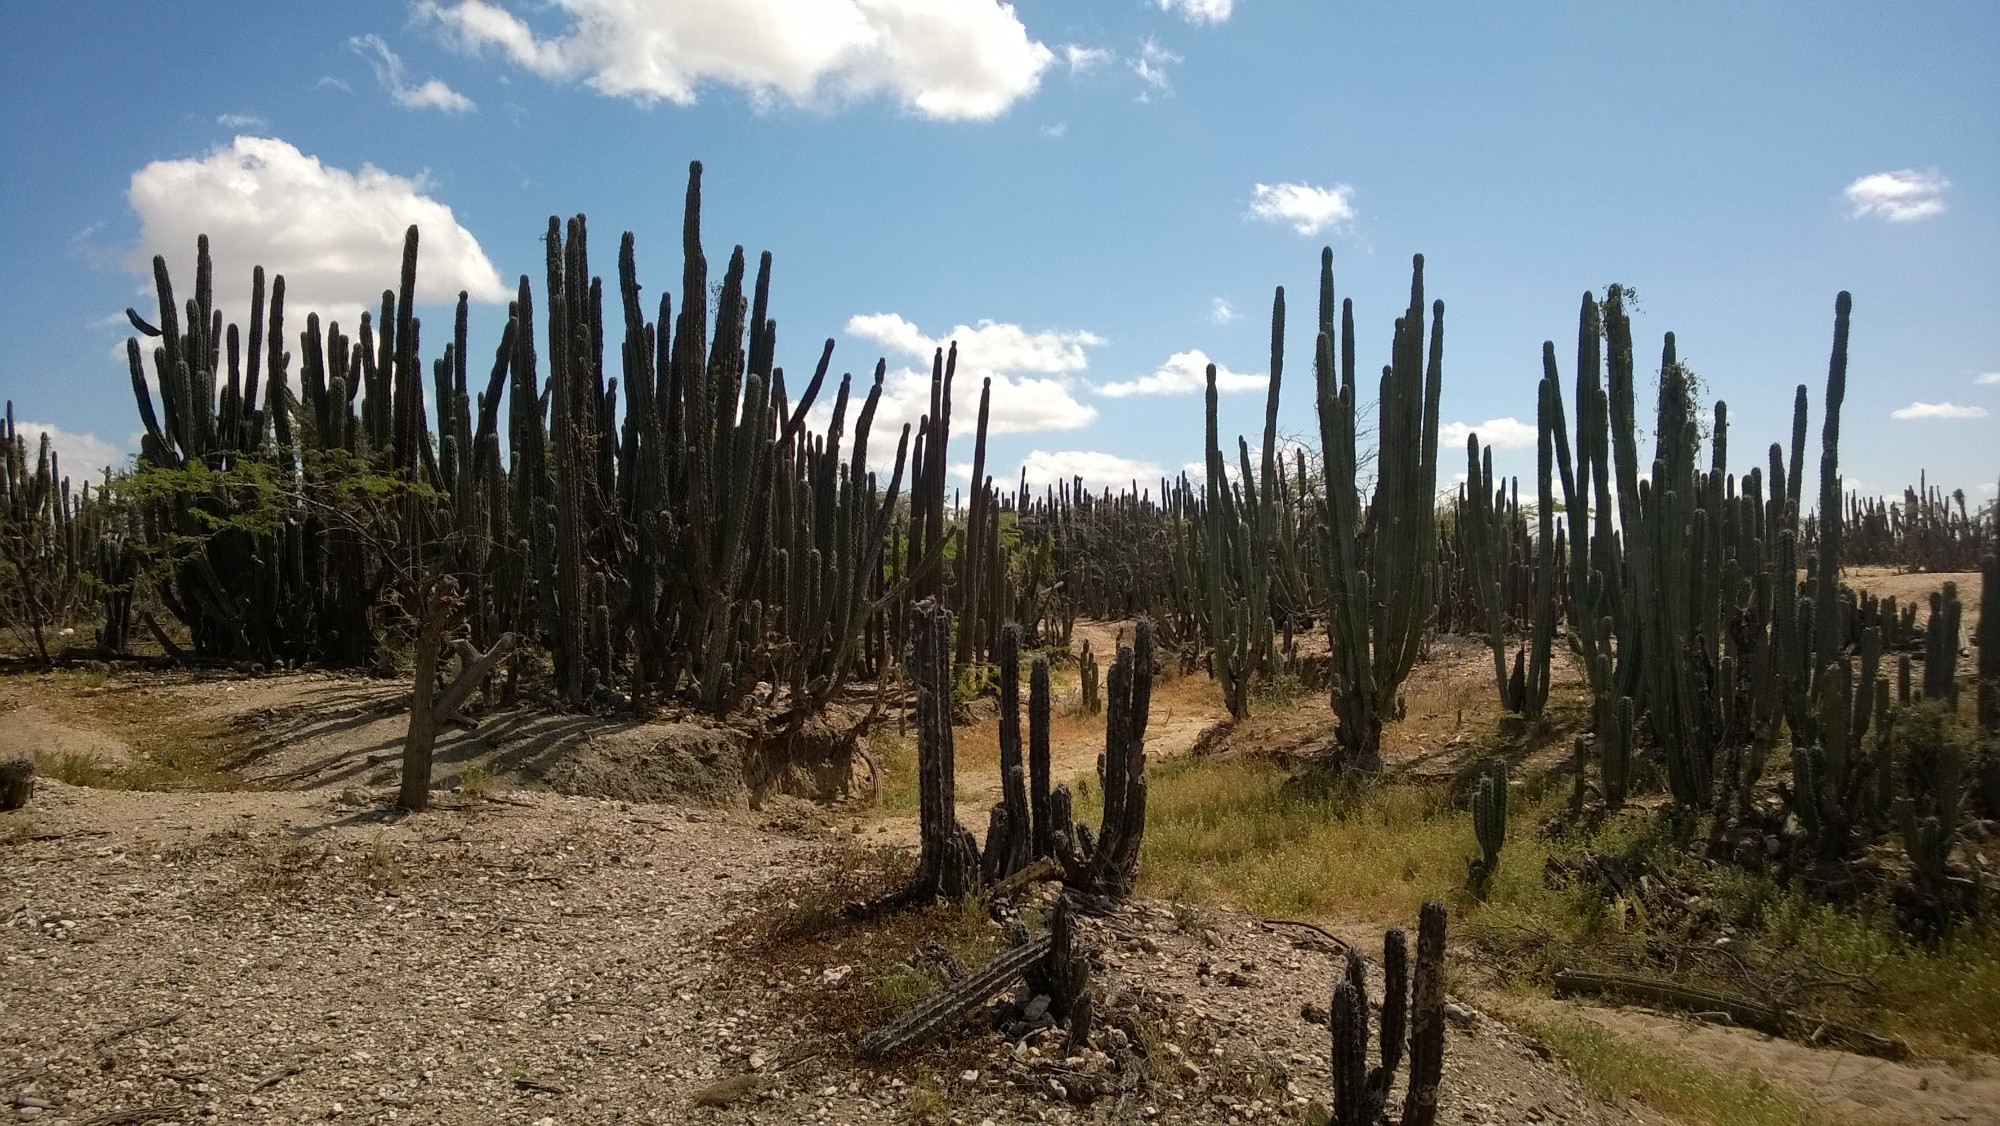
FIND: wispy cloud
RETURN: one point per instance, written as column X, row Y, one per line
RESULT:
column 1151, row 64
column 1987, row 378
column 1221, row 312
column 432, row 93
column 329, row 82
column 1308, row 209
column 1199, row 11
column 947, row 61
column 1500, row 433
column 1952, row 411
column 240, row 121
column 1082, row 60
column 1899, row 196
column 1057, row 131
column 1184, row 373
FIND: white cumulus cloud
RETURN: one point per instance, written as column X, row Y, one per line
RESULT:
column 1500, row 433
column 1184, row 373
column 79, row 456
column 1308, row 209
column 1199, row 11
column 1222, row 312
column 948, row 59
column 1898, row 196
column 1937, row 411
column 336, row 236
column 432, row 93
column 1099, row 470
column 1031, row 372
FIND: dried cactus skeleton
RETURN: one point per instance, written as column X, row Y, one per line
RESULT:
column 1415, row 1008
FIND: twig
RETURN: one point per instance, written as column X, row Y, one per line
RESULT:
column 276, row 1077
column 1338, row 941
column 151, row 1022
column 526, row 1084
column 142, row 1114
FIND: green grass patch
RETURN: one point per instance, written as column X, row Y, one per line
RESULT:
column 1230, row 831
column 1615, row 1069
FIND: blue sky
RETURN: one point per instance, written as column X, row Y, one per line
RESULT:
column 1086, row 195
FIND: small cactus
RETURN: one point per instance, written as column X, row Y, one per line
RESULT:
column 1412, row 1016
column 1489, row 823
column 17, row 782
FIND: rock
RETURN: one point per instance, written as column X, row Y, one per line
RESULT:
column 1460, row 1015
column 727, row 1091
column 1316, row 1014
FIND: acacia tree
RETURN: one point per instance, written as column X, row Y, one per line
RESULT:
column 400, row 520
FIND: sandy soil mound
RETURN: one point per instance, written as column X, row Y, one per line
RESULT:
column 657, row 762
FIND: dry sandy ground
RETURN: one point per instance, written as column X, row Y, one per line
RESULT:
column 298, row 955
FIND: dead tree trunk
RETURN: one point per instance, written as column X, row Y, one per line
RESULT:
column 430, row 708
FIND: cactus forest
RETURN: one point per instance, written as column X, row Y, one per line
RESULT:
column 971, row 562
column 671, row 534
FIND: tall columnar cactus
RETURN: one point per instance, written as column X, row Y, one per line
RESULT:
column 1010, row 841
column 1379, row 568
column 1107, row 863
column 1252, row 571
column 1043, row 836
column 1614, row 742
column 1941, row 646
column 948, row 864
column 1089, row 681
